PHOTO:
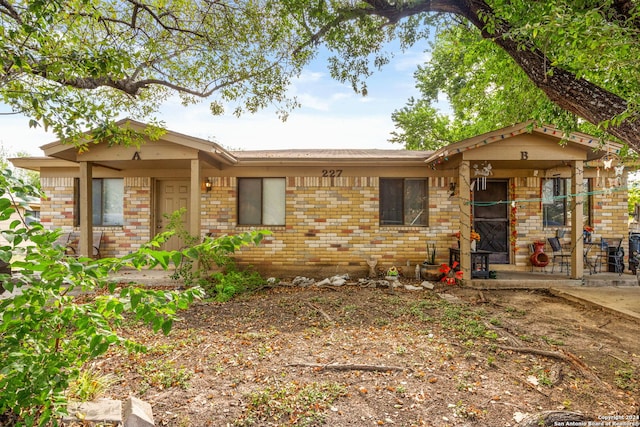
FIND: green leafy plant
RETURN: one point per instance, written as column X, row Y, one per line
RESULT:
column 47, row 333
column 164, row 374
column 624, row 379
column 215, row 252
column 431, row 253
column 224, row 286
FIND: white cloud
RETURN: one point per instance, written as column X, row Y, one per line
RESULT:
column 408, row 61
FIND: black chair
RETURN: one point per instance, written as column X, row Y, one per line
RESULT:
column 558, row 256
column 615, row 255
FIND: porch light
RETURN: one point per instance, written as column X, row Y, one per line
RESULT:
column 208, row 184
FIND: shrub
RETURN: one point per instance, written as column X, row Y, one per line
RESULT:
column 47, row 334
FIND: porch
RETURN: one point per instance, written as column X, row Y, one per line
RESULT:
column 546, row 280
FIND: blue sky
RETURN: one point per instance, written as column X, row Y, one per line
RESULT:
column 331, row 116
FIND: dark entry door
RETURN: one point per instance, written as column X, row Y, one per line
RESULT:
column 491, row 218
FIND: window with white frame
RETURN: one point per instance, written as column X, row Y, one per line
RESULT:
column 403, row 201
column 261, row 201
column 107, row 201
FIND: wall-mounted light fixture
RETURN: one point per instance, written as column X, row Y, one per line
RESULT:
column 208, row 184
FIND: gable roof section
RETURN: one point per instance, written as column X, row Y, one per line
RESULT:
column 575, row 142
column 187, row 146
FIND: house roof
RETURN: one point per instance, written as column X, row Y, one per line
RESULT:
column 591, row 147
column 175, row 150
column 336, row 156
column 208, row 151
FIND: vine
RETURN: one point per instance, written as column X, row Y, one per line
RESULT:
column 513, row 237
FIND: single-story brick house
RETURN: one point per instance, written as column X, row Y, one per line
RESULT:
column 332, row 210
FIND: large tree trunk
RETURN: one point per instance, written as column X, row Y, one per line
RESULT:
column 578, row 96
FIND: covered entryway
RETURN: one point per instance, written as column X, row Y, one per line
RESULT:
column 518, row 159
column 175, row 161
column 491, row 218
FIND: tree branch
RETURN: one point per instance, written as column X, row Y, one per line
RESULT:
column 349, row 367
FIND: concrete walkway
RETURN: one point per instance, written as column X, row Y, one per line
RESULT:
column 620, row 300
column 616, row 293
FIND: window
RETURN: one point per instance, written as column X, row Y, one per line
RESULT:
column 403, row 201
column 261, row 201
column 108, row 201
column 555, row 204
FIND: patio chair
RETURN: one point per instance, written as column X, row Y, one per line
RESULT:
column 558, row 255
column 612, row 249
column 74, row 240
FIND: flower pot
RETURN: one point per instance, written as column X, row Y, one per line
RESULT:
column 474, row 243
column 430, row 272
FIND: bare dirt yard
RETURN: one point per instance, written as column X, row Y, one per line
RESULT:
column 355, row 356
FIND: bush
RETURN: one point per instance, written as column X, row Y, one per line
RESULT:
column 47, row 334
column 224, row 286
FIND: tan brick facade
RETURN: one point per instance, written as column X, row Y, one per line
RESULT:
column 332, row 224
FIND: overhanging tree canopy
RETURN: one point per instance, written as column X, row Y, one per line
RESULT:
column 131, row 55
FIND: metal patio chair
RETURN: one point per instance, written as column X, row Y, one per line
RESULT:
column 559, row 256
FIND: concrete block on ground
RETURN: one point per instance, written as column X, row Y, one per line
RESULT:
column 98, row 411
column 137, row 413
column 428, row 285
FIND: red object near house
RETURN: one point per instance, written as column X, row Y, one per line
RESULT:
column 538, row 257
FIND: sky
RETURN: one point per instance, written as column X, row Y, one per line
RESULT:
column 332, row 115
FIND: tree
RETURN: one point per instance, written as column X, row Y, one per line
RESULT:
column 131, row 55
column 485, row 90
column 73, row 64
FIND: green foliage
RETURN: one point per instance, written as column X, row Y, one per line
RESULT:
column 73, row 65
column 484, row 87
column 215, row 253
column 48, row 333
column 431, row 253
column 164, row 374
column 625, row 379
column 634, row 198
column 224, row 286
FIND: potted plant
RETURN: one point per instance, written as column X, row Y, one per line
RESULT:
column 429, row 270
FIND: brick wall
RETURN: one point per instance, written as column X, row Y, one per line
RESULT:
column 332, row 224
column 608, row 213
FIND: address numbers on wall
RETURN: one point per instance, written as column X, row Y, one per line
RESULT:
column 331, row 173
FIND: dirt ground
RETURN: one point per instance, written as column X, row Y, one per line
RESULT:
column 353, row 356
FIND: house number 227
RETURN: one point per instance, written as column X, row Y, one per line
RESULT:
column 331, row 173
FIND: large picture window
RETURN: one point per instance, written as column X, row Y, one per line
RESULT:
column 108, row 201
column 403, row 202
column 556, row 204
column 261, row 201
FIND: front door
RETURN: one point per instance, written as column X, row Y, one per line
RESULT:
column 491, row 218
column 172, row 196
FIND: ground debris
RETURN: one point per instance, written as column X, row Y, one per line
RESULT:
column 368, row 355
column 349, row 367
